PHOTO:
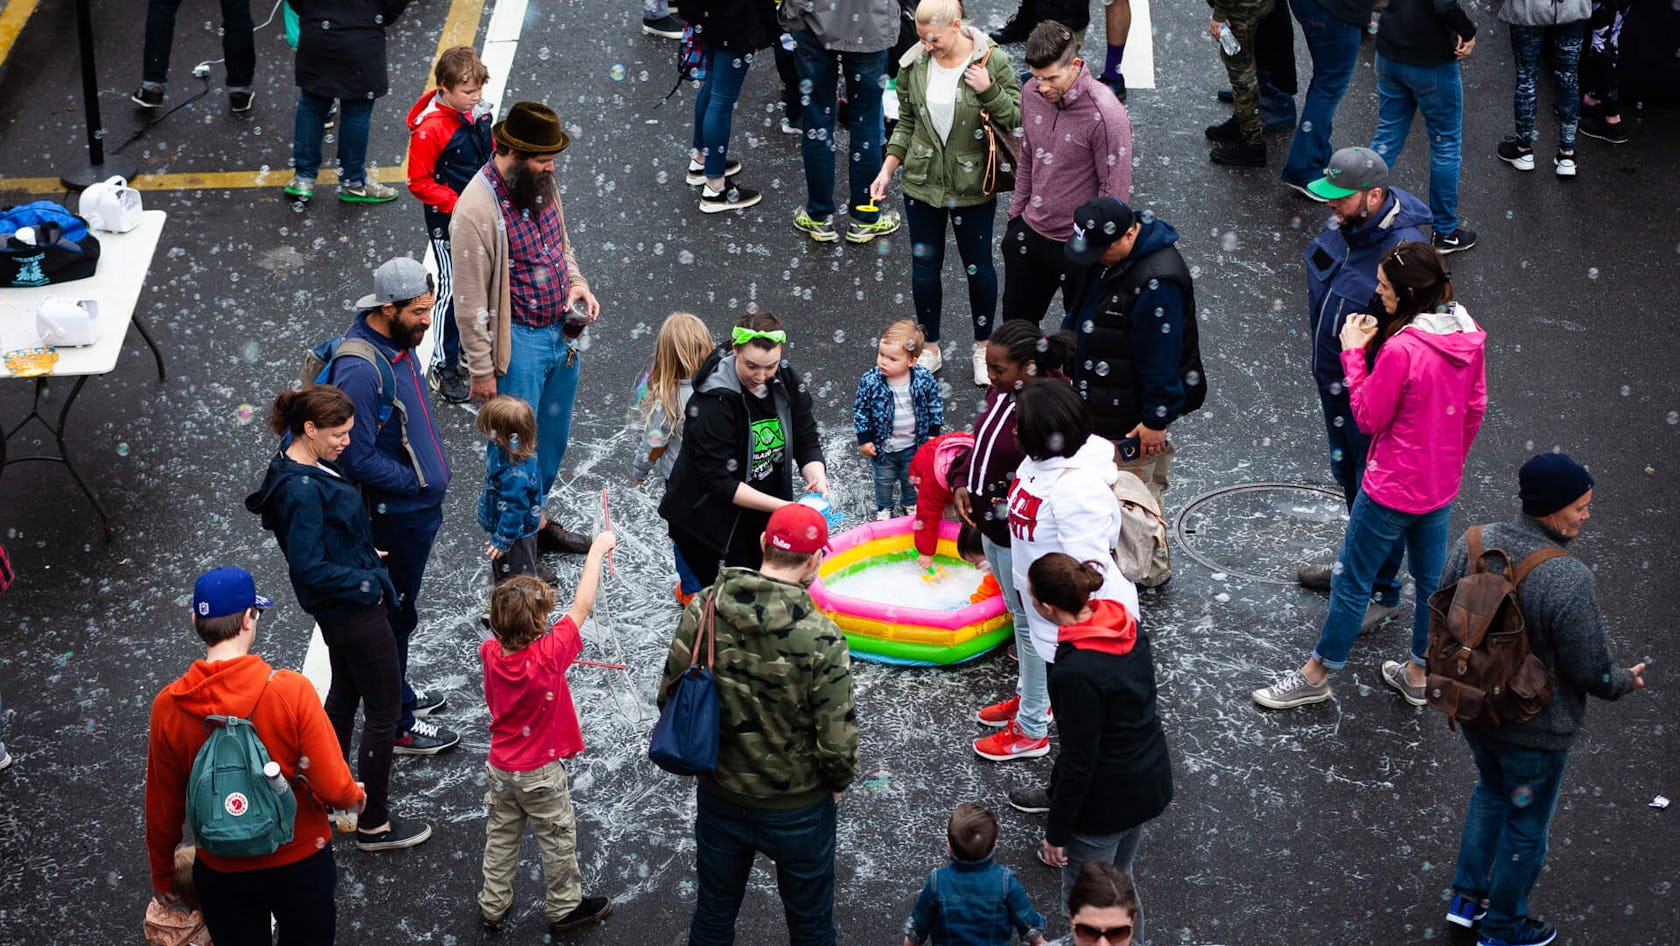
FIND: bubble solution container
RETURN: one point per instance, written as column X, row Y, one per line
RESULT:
column 820, row 503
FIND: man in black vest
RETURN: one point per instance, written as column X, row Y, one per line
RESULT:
column 1136, row 361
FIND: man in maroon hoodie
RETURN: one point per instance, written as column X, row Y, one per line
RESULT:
column 245, row 898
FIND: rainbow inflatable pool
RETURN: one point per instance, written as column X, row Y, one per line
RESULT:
column 904, row 634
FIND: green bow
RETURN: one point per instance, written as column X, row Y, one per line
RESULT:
column 741, row 336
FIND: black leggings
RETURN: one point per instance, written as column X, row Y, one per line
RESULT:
column 238, row 904
column 363, row 653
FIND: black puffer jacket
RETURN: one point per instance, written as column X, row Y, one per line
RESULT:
column 740, row 26
column 341, row 46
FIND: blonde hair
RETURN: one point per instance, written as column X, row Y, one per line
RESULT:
column 906, row 333
column 939, row 12
column 509, row 422
column 185, row 887
column 683, row 344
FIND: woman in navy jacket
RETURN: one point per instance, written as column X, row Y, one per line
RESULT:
column 318, row 519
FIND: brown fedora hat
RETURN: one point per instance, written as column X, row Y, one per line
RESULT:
column 531, row 127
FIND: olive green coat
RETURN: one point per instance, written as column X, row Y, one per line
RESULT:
column 950, row 173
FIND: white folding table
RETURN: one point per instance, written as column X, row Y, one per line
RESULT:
column 124, row 261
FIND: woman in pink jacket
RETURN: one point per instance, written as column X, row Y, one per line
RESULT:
column 1421, row 405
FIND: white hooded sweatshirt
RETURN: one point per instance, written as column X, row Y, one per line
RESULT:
column 1067, row 505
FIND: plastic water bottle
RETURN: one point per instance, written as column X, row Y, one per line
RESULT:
column 1228, row 41
column 276, row 781
column 820, row 503
column 344, row 819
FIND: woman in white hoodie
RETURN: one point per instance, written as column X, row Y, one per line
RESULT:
column 1062, row 500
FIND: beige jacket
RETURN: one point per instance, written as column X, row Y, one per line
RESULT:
column 478, row 251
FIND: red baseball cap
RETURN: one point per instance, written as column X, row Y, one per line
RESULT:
column 797, row 528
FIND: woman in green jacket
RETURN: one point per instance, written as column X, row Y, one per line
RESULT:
column 944, row 83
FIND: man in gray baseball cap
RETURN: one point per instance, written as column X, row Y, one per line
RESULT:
column 1367, row 218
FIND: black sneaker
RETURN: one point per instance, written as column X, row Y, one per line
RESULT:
column 424, row 738
column 147, row 97
column 1019, row 27
column 491, row 926
column 591, row 910
column 1518, row 155
column 1457, row 241
column 697, row 171
column 1530, row 933
column 1238, row 154
column 399, row 835
column 666, row 27
column 1594, row 127
column 452, row 384
column 426, row 703
column 1033, row 801
column 240, row 101
column 1227, row 130
column 554, row 538
column 1226, row 95
column 732, row 197
column 1116, row 84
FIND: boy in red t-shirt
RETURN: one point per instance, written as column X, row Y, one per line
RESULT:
column 533, row 726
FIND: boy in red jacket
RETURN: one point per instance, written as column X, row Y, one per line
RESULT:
column 449, row 141
column 293, row 885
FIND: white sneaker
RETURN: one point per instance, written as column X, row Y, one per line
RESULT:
column 930, row 359
column 882, row 515
column 979, row 361
column 1565, row 164
column 790, row 128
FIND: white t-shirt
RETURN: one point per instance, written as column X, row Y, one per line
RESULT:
column 903, row 434
column 942, row 95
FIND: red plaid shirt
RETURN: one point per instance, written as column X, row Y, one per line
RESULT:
column 537, row 277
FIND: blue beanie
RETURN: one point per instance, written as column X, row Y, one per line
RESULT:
column 1550, row 481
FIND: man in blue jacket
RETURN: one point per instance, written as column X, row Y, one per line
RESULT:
column 1367, row 219
column 400, row 464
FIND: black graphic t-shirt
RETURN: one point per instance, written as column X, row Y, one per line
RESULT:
column 769, row 441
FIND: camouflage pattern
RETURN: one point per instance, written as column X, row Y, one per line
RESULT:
column 784, row 677
column 1244, row 17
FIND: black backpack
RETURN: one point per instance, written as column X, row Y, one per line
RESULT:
column 62, row 250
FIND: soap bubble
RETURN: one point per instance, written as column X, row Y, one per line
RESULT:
column 1592, row 272
column 617, row 72
column 244, row 413
column 122, row 449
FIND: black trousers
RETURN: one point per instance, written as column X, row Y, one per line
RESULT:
column 1034, row 267
column 238, row 904
column 363, row 654
column 743, row 552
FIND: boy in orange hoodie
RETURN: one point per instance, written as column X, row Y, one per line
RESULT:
column 293, row 885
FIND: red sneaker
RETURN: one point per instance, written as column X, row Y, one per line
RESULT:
column 1011, row 743
column 999, row 715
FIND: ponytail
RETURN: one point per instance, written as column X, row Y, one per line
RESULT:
column 320, row 404
column 1064, row 582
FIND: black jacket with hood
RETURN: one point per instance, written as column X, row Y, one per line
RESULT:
column 341, row 46
column 322, row 527
column 716, row 457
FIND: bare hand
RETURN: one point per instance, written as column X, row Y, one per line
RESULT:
column 817, row 483
column 961, row 499
column 637, row 480
column 978, row 77
column 604, row 542
column 1055, row 856
column 1150, row 441
column 1358, row 331
column 482, row 390
column 578, row 292
column 878, row 187
column 1213, row 29
column 924, row 562
column 492, row 552
column 363, row 802
column 909, row 942
column 167, row 899
column 382, row 552
column 1638, row 671
column 867, row 449
column 1464, row 47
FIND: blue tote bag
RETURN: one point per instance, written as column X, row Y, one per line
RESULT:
column 685, row 740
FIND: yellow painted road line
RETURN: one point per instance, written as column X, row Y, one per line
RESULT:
column 460, row 28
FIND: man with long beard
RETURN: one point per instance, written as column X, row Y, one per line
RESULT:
column 516, row 280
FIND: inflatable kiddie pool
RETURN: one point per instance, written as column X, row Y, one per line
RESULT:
column 898, row 633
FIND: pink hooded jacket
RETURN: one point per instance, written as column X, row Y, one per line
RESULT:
column 1421, row 405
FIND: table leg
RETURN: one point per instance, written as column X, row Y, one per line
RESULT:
column 64, row 452
column 156, row 353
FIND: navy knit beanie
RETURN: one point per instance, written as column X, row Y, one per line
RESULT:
column 1550, row 481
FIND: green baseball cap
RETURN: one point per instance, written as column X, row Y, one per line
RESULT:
column 1350, row 171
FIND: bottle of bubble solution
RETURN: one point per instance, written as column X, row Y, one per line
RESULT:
column 820, row 503
column 1228, row 41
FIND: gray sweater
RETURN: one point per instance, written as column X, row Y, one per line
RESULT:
column 1565, row 630
column 847, row 26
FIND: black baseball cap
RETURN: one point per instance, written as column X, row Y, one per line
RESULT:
column 1096, row 225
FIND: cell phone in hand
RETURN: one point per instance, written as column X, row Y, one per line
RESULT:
column 1129, row 449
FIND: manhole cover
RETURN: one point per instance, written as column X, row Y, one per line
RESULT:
column 1262, row 531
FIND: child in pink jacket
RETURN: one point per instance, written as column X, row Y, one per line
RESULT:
column 1421, row 404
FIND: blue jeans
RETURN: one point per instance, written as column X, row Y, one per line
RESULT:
column 1031, row 672
column 543, row 370
column 406, row 539
column 973, row 229
column 686, row 579
column 1348, row 449
column 1526, row 42
column 714, row 107
column 1437, row 92
column 800, row 841
column 865, row 77
column 1373, row 533
column 1505, row 828
column 893, row 469
column 1118, row 849
column 1334, row 47
column 354, row 117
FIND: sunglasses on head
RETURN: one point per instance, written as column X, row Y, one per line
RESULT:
column 1114, row 934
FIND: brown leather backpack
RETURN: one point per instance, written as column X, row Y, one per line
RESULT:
column 1480, row 664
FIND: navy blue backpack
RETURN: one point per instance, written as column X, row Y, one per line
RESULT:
column 61, row 250
column 685, row 740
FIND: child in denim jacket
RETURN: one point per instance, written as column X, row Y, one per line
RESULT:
column 510, row 508
column 896, row 410
column 971, row 901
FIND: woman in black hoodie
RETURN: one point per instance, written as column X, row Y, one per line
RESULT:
column 1112, row 774
column 321, row 525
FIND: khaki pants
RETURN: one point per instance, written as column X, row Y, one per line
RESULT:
column 1153, row 472
column 538, row 796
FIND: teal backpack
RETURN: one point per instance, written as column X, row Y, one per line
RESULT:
column 232, row 809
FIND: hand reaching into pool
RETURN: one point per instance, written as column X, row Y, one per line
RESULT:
column 924, row 562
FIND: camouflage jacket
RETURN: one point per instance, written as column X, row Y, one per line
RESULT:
column 784, row 678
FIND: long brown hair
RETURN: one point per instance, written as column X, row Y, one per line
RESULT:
column 1418, row 273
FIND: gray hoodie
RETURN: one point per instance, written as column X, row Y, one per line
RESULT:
column 1544, row 12
column 1565, row 630
column 846, row 26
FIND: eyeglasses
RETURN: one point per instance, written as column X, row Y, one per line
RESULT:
column 1114, row 934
